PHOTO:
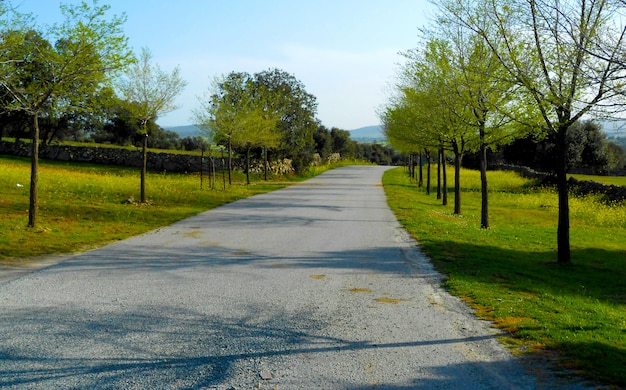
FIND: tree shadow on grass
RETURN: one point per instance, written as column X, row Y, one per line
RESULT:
column 580, row 303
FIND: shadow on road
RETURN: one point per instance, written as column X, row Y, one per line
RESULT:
column 129, row 345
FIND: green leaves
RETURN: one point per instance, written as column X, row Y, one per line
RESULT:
column 150, row 90
column 59, row 67
column 269, row 109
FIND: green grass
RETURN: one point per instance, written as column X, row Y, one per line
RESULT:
column 83, row 206
column 508, row 273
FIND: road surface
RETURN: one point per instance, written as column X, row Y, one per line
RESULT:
column 313, row 286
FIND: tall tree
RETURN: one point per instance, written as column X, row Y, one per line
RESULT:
column 151, row 92
column 296, row 110
column 89, row 46
column 323, row 142
column 566, row 56
column 237, row 113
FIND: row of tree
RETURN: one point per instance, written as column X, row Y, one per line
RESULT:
column 491, row 72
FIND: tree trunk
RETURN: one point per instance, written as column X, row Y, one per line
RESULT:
column 265, row 167
column 212, row 175
column 248, row 165
column 223, row 173
column 34, row 174
column 427, row 155
column 407, row 166
column 563, row 242
column 421, row 173
column 457, row 179
column 444, row 200
column 230, row 162
column 144, row 166
column 439, row 174
column 484, row 213
column 202, row 166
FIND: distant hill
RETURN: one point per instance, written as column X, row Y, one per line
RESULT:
column 184, row 131
column 614, row 128
column 362, row 134
column 368, row 134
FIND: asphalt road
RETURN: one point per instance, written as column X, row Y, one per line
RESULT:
column 313, row 286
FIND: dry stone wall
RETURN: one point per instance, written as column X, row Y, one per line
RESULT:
column 168, row 162
column 160, row 162
column 611, row 193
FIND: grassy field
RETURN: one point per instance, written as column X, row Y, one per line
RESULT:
column 111, row 146
column 575, row 315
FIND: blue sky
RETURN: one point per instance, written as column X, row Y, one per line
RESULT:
column 345, row 52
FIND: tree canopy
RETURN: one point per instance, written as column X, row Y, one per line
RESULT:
column 269, row 109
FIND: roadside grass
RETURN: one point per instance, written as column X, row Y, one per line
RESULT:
column 84, row 206
column 508, row 273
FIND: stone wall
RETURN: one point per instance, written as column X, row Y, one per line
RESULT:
column 611, row 193
column 160, row 162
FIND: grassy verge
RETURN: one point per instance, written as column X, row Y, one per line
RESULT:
column 508, row 273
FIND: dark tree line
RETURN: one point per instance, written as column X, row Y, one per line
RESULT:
column 589, row 151
column 116, row 127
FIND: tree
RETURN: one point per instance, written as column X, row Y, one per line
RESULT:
column 566, row 57
column 594, row 155
column 323, row 142
column 237, row 113
column 342, row 143
column 407, row 127
column 588, row 149
column 485, row 96
column 432, row 84
column 295, row 109
column 151, row 93
column 616, row 155
column 45, row 79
